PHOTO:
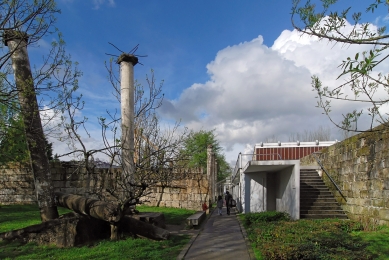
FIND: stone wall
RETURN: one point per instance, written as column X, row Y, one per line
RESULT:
column 17, row 183
column 17, row 186
column 360, row 167
column 189, row 193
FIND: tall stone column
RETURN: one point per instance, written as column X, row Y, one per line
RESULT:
column 17, row 44
column 215, row 192
column 210, row 172
column 209, row 160
column 127, row 63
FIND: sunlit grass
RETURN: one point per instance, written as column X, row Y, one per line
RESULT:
column 19, row 216
column 173, row 216
column 378, row 241
column 273, row 238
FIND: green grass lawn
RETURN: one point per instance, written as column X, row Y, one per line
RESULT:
column 19, row 216
column 274, row 236
column 173, row 216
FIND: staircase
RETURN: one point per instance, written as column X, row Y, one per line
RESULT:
column 316, row 200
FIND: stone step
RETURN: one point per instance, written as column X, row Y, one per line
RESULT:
column 323, row 216
column 313, row 188
column 309, row 175
column 318, row 179
column 320, row 198
column 316, row 200
column 331, row 206
column 310, row 178
column 310, row 187
column 323, row 211
column 313, row 192
column 320, row 202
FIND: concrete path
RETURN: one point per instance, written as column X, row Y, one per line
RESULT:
column 221, row 237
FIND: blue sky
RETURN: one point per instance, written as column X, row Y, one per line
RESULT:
column 233, row 66
column 179, row 37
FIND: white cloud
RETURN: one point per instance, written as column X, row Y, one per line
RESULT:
column 255, row 92
column 98, row 3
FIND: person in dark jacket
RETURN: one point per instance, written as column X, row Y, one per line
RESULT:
column 228, row 199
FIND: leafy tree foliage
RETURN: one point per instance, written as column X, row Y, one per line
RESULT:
column 363, row 83
column 13, row 146
column 195, row 150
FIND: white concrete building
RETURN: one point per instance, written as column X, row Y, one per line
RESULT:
column 269, row 178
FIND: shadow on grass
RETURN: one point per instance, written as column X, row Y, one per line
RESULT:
column 130, row 248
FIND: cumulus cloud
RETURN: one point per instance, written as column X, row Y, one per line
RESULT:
column 255, row 91
column 98, row 3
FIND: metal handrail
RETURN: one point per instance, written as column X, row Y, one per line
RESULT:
column 329, row 177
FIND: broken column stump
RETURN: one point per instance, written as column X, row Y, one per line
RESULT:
column 69, row 230
column 153, row 218
column 106, row 211
column 128, row 224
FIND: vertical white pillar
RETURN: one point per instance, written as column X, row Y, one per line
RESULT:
column 127, row 63
column 210, row 170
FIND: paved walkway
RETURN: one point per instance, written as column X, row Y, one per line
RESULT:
column 220, row 237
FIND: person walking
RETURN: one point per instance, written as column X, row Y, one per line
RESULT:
column 228, row 199
column 219, row 205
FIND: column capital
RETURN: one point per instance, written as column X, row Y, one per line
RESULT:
column 127, row 58
column 9, row 35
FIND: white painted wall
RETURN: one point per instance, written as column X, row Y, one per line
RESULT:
column 272, row 190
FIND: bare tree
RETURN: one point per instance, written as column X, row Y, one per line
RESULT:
column 35, row 18
column 271, row 139
column 24, row 23
column 157, row 149
column 363, row 83
column 321, row 134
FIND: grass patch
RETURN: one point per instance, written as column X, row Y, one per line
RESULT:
column 19, row 216
column 378, row 241
column 274, row 236
column 123, row 249
column 173, row 216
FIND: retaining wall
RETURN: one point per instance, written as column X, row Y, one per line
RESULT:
column 359, row 166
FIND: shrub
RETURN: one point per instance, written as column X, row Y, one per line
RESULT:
column 267, row 216
column 305, row 239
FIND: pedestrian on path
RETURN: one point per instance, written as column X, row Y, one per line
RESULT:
column 219, row 205
column 228, row 199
